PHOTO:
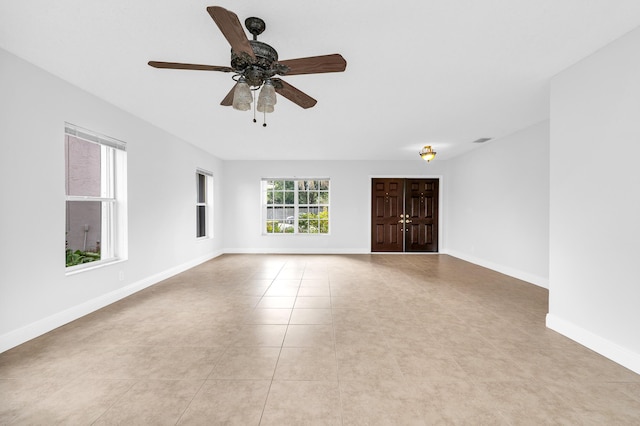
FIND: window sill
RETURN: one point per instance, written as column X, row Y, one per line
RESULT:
column 294, row 235
column 73, row 270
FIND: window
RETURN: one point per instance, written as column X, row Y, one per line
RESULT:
column 204, row 212
column 292, row 206
column 95, row 173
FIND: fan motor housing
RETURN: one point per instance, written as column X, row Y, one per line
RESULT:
column 265, row 57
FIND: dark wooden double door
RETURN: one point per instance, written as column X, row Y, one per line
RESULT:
column 404, row 215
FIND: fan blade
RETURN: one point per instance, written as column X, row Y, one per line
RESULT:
column 315, row 64
column 228, row 100
column 180, row 66
column 294, row 95
column 231, row 29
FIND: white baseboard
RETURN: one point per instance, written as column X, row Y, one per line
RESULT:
column 272, row 250
column 40, row 327
column 604, row 347
column 512, row 272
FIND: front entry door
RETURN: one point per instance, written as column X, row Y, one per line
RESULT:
column 404, row 215
column 421, row 215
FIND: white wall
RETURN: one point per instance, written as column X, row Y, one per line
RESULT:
column 498, row 205
column 35, row 293
column 595, row 202
column 349, row 211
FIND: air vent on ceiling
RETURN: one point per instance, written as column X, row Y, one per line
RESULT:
column 482, row 140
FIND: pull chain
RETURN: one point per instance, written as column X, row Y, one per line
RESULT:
column 254, row 107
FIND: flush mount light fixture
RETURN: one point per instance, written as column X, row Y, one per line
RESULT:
column 427, row 154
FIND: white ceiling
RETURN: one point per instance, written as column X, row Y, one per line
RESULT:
column 419, row 72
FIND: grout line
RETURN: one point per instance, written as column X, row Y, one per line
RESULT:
column 193, row 397
column 335, row 354
column 117, row 399
column 275, row 368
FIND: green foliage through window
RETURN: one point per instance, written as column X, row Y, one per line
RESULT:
column 78, row 257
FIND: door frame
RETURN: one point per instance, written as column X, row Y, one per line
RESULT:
column 441, row 217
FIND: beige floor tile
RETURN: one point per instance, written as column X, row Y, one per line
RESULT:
column 366, row 363
column 457, row 402
column 260, row 335
column 302, row 403
column 354, row 317
column 409, row 337
column 358, row 335
column 380, row 402
column 429, row 364
column 307, row 364
column 192, row 332
column 489, row 365
column 309, row 335
column 227, row 402
column 39, row 360
column 285, row 283
column 19, row 395
column 314, row 291
column 269, row 316
column 265, row 274
column 281, row 291
column 154, row 362
column 311, row 316
column 599, row 403
column 312, row 279
column 319, row 302
column 157, row 402
column 631, row 389
column 251, row 288
column 251, row 363
column 276, row 303
column 347, row 302
column 291, row 274
column 531, row 403
column 81, row 401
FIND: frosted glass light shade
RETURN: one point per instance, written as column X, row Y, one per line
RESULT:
column 267, row 97
column 242, row 107
column 242, row 96
column 265, row 108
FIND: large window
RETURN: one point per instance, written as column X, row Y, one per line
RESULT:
column 204, row 197
column 95, row 172
column 295, row 206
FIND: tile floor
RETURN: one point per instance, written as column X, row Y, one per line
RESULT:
column 308, row 339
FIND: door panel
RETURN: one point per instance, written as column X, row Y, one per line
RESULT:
column 404, row 215
column 387, row 199
column 421, row 207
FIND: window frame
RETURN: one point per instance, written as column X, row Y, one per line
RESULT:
column 206, row 204
column 112, row 198
column 297, row 205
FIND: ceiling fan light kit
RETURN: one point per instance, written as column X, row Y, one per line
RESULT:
column 255, row 65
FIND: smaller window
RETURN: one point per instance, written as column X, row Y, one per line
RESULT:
column 204, row 196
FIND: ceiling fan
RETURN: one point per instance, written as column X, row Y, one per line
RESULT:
column 255, row 65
